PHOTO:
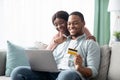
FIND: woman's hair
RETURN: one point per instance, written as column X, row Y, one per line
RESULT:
column 60, row 14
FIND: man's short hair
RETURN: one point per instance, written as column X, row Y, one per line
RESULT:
column 78, row 14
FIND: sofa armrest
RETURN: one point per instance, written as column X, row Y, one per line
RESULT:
column 114, row 70
column 2, row 62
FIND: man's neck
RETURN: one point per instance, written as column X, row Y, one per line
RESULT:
column 75, row 36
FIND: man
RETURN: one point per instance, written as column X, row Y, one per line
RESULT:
column 87, row 61
column 81, row 66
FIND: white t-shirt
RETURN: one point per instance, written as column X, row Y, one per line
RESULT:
column 67, row 61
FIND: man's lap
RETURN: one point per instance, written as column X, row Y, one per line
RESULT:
column 25, row 73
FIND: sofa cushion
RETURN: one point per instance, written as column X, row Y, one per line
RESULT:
column 15, row 57
column 40, row 45
column 4, row 78
column 104, row 64
column 2, row 62
column 114, row 70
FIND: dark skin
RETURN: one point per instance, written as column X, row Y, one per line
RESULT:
column 75, row 27
column 61, row 26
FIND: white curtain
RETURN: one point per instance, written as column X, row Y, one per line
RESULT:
column 24, row 22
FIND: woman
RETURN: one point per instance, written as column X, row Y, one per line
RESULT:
column 59, row 20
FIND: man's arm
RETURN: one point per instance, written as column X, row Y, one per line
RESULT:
column 86, row 72
column 92, row 60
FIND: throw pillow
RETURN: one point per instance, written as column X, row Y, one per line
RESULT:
column 40, row 45
column 15, row 57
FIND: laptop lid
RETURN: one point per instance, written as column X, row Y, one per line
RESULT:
column 42, row 60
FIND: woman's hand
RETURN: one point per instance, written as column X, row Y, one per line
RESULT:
column 91, row 37
column 60, row 39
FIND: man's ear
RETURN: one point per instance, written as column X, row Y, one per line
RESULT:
column 83, row 23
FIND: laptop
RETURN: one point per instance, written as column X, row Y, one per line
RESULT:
column 42, row 60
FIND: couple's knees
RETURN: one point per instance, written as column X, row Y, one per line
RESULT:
column 68, row 75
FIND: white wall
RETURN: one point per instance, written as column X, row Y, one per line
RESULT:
column 114, row 25
column 27, row 21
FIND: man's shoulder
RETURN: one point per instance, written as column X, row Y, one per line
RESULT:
column 91, row 43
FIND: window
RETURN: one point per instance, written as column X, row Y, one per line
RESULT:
column 27, row 21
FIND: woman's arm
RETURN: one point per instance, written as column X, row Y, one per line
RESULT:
column 57, row 39
column 88, row 34
column 52, row 44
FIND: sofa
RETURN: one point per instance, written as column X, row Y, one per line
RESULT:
column 108, row 70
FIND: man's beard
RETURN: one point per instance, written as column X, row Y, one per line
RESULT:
column 75, row 35
column 79, row 33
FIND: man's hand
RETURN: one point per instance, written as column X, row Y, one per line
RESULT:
column 78, row 61
column 86, row 72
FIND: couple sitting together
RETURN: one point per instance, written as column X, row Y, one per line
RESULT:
column 72, row 33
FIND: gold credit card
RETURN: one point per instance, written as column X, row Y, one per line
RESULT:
column 72, row 51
